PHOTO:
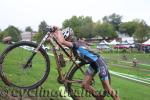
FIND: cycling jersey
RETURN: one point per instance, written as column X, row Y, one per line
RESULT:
column 97, row 64
column 80, row 49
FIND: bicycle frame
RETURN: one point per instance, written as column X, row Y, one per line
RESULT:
column 59, row 67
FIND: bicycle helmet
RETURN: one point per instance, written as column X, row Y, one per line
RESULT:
column 68, row 33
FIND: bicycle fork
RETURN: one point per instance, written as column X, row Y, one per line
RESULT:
column 29, row 61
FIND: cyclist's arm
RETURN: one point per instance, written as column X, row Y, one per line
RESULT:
column 58, row 35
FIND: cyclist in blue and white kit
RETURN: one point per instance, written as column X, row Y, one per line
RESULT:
column 93, row 58
column 97, row 64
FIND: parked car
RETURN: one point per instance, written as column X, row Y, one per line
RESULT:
column 128, row 45
column 146, row 49
column 119, row 46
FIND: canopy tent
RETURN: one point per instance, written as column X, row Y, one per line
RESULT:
column 114, row 42
column 102, row 45
column 146, row 43
column 103, row 42
column 125, row 42
column 130, row 40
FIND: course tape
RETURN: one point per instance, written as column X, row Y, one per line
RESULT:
column 131, row 77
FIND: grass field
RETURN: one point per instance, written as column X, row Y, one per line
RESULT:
column 127, row 89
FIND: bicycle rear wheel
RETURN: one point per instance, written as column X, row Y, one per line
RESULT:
column 74, row 88
column 13, row 71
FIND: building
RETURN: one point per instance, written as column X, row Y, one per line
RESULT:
column 27, row 36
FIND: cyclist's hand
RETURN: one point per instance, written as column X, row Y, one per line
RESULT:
column 51, row 29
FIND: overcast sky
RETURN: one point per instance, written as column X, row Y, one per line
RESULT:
column 23, row 13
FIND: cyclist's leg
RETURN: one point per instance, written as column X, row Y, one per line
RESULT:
column 103, row 74
column 86, row 84
column 109, row 89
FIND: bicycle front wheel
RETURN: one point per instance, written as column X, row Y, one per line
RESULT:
column 22, row 68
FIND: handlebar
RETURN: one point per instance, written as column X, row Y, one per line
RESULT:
column 51, row 29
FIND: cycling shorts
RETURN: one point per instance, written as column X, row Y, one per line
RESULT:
column 100, row 67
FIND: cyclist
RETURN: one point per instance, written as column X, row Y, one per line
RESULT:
column 97, row 64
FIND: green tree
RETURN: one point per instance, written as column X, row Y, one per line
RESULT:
column 82, row 26
column 13, row 32
column 1, row 35
column 141, row 31
column 113, row 19
column 148, row 35
column 41, row 31
column 86, row 29
column 128, row 27
column 74, row 22
column 105, row 30
column 28, row 29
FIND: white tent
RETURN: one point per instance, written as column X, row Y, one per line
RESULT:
column 130, row 40
column 103, row 43
column 146, row 42
column 125, row 42
column 114, row 42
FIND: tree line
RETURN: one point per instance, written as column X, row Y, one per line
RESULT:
column 84, row 27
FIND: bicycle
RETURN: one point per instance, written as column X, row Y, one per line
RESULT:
column 23, row 57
